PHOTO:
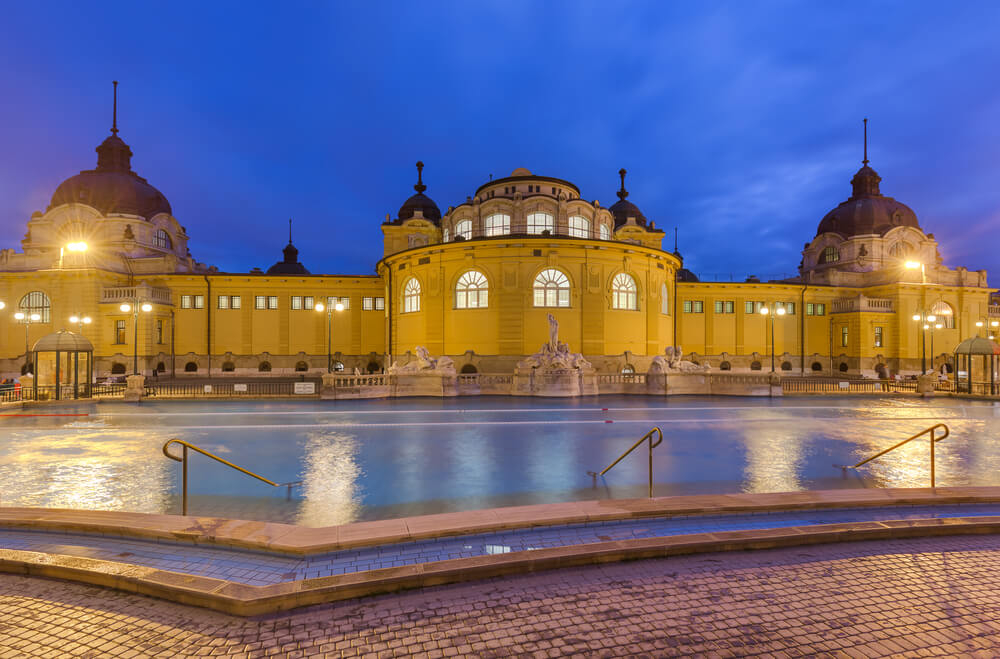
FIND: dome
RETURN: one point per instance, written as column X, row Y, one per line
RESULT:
column 63, row 341
column 977, row 345
column 112, row 187
column 521, row 171
column 420, row 202
column 290, row 265
column 624, row 209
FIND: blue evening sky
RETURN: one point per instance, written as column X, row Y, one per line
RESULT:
column 739, row 122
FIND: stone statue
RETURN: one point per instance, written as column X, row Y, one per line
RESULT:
column 424, row 363
column 673, row 362
column 553, row 332
column 554, row 355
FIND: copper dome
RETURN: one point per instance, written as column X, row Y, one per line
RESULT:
column 624, row 209
column 867, row 211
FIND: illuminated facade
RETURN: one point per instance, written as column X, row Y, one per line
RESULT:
column 476, row 283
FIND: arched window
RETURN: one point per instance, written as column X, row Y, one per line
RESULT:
column 551, row 289
column 411, row 295
column 228, row 367
column 468, row 369
column 579, row 227
column 191, row 367
column 117, row 369
column 35, row 302
column 725, row 366
column 471, row 291
column 605, row 232
column 944, row 314
column 817, row 367
column 264, row 367
column 786, row 366
column 162, row 239
column 624, row 294
column 664, row 299
column 901, row 249
column 830, row 255
column 754, row 366
column 374, row 367
column 628, row 369
column 161, row 367
column 301, row 366
column 539, row 222
column 464, row 229
column 338, row 366
column 843, row 367
column 497, row 224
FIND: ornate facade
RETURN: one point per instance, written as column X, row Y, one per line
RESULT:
column 476, row 283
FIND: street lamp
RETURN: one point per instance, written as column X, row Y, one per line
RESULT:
column 925, row 321
column 330, row 308
column 80, row 321
column 77, row 247
column 992, row 324
column 27, row 320
column 134, row 308
column 780, row 311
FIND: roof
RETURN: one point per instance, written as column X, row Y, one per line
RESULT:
column 867, row 211
column 63, row 341
column 977, row 345
column 290, row 265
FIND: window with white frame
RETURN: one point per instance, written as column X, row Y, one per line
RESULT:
column 551, row 289
column 162, row 239
column 464, row 229
column 272, row 301
column 411, row 295
column 260, row 302
column 235, row 302
column 579, row 227
column 223, row 301
column 185, row 302
column 199, row 301
column 296, row 302
column 539, row 222
column 624, row 293
column 605, row 232
column 373, row 303
column 498, row 224
column 664, row 299
column 472, row 290
column 344, row 302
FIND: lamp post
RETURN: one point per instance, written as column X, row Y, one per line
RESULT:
column 770, row 313
column 134, row 308
column 329, row 308
column 27, row 319
column 77, row 248
column 80, row 321
column 932, row 327
column 925, row 321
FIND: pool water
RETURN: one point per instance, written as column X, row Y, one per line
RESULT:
column 362, row 460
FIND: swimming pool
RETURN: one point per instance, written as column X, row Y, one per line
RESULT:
column 361, row 460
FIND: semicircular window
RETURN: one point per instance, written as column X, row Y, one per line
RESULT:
column 162, row 239
column 35, row 303
column 472, row 290
column 551, row 289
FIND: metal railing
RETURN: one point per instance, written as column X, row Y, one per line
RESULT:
column 926, row 431
column 183, row 459
column 812, row 385
column 652, row 445
column 225, row 389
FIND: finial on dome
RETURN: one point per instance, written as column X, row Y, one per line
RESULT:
column 289, row 231
column 865, row 161
column 420, row 187
column 114, row 111
column 623, row 192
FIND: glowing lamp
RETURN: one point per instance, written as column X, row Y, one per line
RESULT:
column 916, row 316
column 319, row 307
column 763, row 310
column 74, row 319
column 339, row 306
column 19, row 316
column 912, row 265
column 147, row 307
column 126, row 308
column 780, row 311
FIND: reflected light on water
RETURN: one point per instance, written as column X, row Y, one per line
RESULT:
column 330, row 480
column 909, row 465
column 774, row 459
column 93, row 470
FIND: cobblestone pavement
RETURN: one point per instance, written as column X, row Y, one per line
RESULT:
column 933, row 597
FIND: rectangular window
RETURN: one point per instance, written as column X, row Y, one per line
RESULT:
column 235, row 302
column 119, row 331
column 223, row 301
column 718, row 306
column 730, row 306
column 790, row 308
column 878, row 337
column 159, row 331
column 199, row 301
column 331, row 302
column 272, row 301
column 748, row 307
column 687, row 306
column 699, row 306
column 296, row 302
column 307, row 302
column 810, row 309
column 820, row 309
column 380, row 304
column 367, row 303
column 724, row 306
column 843, row 336
column 185, row 302
column 260, row 302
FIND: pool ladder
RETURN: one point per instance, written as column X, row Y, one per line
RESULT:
column 652, row 445
column 926, row 431
column 183, row 459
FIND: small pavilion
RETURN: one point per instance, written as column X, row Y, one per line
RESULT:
column 64, row 366
column 977, row 346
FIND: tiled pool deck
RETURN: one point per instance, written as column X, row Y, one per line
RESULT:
column 254, row 567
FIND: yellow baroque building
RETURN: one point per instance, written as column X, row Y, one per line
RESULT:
column 476, row 283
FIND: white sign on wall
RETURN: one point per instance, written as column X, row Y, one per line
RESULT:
column 208, row 388
column 305, row 387
column 240, row 387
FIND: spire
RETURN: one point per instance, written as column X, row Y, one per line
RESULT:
column 289, row 231
column 675, row 240
column 420, row 187
column 623, row 192
column 865, row 161
column 114, row 111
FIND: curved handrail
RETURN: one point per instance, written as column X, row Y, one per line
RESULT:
column 183, row 460
column 652, row 445
column 933, row 437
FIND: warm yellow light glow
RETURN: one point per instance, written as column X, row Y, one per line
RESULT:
column 912, row 265
column 780, row 311
column 938, row 326
column 35, row 317
column 319, row 307
column 979, row 323
column 927, row 326
column 916, row 316
column 763, row 310
column 932, row 318
column 86, row 320
column 339, row 307
column 74, row 319
column 2, row 305
column 77, row 247
column 147, row 307
column 126, row 308
column 19, row 316
column 995, row 323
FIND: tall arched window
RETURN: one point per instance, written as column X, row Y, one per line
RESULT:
column 830, row 255
column 472, row 290
column 945, row 315
column 464, row 229
column 551, row 289
column 35, row 302
column 605, row 232
column 498, row 224
column 624, row 293
column 539, row 222
column 411, row 295
column 162, row 239
column 901, row 249
column 664, row 299
column 579, row 227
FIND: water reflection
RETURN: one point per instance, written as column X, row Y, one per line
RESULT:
column 773, row 458
column 331, row 477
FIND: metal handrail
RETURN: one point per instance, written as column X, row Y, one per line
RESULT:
column 183, row 459
column 934, row 440
column 652, row 445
